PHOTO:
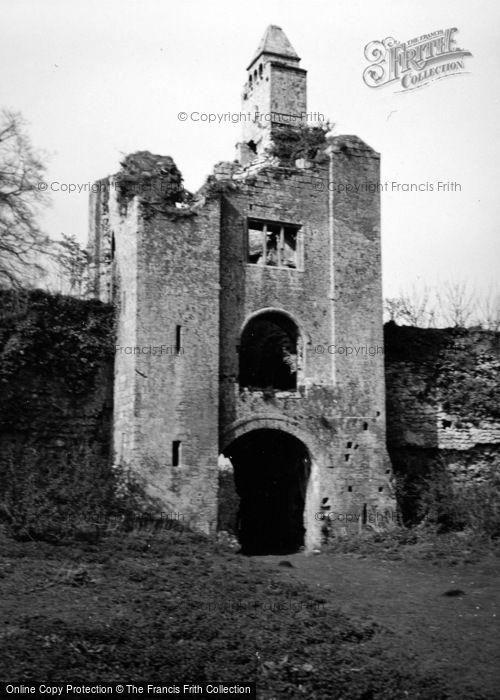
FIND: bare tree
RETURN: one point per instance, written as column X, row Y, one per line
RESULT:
column 21, row 172
column 413, row 308
column 489, row 310
column 392, row 308
column 457, row 303
column 74, row 261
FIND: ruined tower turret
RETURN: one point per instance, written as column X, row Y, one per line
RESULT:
column 274, row 93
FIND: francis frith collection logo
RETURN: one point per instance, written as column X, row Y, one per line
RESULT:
column 414, row 63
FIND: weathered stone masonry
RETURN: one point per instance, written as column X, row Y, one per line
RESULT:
column 443, row 408
column 194, row 275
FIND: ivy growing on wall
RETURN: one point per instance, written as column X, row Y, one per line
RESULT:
column 45, row 337
column 56, row 368
column 155, row 179
column 461, row 367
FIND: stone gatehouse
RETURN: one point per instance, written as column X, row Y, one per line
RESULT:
column 249, row 374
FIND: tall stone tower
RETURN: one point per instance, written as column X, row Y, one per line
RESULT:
column 265, row 416
column 274, row 93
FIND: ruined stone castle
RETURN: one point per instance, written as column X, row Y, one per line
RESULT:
column 249, row 374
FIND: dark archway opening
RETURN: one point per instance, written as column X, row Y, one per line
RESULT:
column 271, row 470
column 268, row 353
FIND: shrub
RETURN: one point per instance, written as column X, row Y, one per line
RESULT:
column 433, row 498
column 293, row 142
column 55, row 495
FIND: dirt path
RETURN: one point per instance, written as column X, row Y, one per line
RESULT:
column 457, row 636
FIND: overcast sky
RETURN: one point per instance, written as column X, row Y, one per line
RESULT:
column 99, row 79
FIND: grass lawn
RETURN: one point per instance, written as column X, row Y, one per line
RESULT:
column 178, row 607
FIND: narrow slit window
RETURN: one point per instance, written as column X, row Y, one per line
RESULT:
column 178, row 340
column 176, row 453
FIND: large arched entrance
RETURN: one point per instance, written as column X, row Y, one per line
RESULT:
column 271, row 470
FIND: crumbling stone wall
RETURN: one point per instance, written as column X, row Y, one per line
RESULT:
column 166, row 270
column 176, row 391
column 57, row 383
column 443, row 405
column 100, row 244
column 188, row 265
column 338, row 409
